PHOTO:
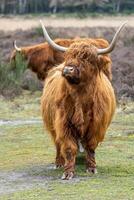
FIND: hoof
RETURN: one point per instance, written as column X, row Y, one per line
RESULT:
column 57, row 166
column 59, row 163
column 67, row 176
column 92, row 170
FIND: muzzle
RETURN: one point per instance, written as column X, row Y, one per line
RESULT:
column 68, row 70
column 72, row 74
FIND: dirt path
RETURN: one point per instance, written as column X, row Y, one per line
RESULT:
column 14, row 181
column 24, row 23
column 19, row 122
column 31, row 177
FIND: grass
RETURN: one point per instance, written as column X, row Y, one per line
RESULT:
column 29, row 151
column 23, row 145
column 25, row 106
column 86, row 189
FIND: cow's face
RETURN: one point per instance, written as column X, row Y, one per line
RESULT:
column 80, row 63
column 72, row 73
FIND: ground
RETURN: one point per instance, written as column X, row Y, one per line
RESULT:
column 27, row 157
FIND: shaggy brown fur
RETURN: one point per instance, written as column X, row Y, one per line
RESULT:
column 78, row 103
column 42, row 57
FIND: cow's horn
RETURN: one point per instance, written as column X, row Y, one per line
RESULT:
column 15, row 46
column 50, row 41
column 113, row 43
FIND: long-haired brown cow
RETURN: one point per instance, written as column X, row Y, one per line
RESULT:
column 78, row 102
column 42, row 57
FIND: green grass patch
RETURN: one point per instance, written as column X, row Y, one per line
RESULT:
column 26, row 106
column 24, row 145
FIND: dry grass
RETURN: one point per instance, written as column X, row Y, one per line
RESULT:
column 29, row 22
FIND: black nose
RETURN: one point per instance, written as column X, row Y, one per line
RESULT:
column 68, row 70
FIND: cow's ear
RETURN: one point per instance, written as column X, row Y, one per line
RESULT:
column 104, row 64
column 103, row 60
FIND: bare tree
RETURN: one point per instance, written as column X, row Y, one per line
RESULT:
column 22, row 6
column 2, row 6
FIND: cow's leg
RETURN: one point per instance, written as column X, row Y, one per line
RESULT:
column 90, row 155
column 68, row 146
column 59, row 161
column 69, row 151
column 90, row 161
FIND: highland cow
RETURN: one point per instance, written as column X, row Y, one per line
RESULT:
column 42, row 57
column 78, row 103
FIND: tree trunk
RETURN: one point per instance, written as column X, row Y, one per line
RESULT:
column 2, row 6
column 118, row 6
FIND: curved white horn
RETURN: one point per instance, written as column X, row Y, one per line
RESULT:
column 113, row 43
column 50, row 41
column 15, row 46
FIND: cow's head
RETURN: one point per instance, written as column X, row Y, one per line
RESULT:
column 81, row 59
column 81, row 63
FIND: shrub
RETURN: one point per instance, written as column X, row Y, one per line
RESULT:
column 10, row 79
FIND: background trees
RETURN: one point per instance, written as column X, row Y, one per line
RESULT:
column 54, row 6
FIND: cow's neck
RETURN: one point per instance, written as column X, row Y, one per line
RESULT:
column 83, row 92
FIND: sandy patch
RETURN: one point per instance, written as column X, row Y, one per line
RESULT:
column 14, row 23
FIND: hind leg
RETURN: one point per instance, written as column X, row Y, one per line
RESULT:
column 59, row 161
column 90, row 161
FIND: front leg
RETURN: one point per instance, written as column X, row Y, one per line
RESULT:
column 68, row 145
column 90, row 147
column 69, row 151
